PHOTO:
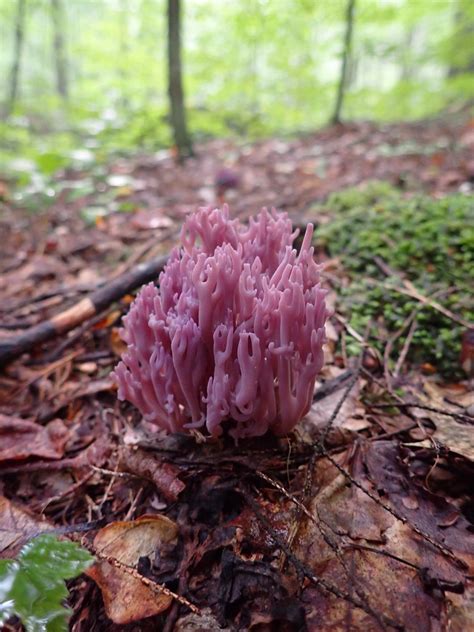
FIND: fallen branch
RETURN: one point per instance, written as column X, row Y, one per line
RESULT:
column 12, row 348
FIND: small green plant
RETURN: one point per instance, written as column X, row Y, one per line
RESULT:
column 428, row 242
column 32, row 586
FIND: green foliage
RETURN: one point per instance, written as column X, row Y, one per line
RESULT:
column 251, row 69
column 32, row 586
column 429, row 242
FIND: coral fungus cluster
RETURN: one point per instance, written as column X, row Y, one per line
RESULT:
column 234, row 331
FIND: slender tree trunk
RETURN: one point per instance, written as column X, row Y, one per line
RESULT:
column 60, row 60
column 407, row 70
column 336, row 117
column 123, row 42
column 175, row 84
column 17, row 54
column 463, row 34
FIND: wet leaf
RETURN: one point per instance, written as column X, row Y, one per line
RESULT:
column 16, row 527
column 375, row 556
column 21, row 439
column 126, row 597
column 32, row 586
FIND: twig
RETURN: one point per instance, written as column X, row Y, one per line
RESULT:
column 303, row 570
column 432, row 409
column 70, row 490
column 155, row 586
column 314, row 454
column 67, row 342
column 405, row 348
column 372, row 549
column 411, row 291
column 12, row 348
column 391, row 343
column 357, row 336
column 440, row 547
column 332, row 385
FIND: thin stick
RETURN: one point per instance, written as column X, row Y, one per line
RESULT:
column 405, row 348
column 410, row 290
column 305, row 571
column 97, row 301
column 155, row 586
column 440, row 547
column 432, row 409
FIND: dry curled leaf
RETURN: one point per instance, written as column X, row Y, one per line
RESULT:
column 128, row 597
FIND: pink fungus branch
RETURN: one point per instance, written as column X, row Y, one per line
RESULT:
column 233, row 333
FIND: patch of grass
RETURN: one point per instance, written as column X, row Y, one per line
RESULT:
column 428, row 242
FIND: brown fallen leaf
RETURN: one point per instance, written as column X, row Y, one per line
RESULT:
column 126, row 596
column 72, row 392
column 450, row 432
column 350, row 417
column 356, row 545
column 22, row 438
column 16, row 527
column 146, row 220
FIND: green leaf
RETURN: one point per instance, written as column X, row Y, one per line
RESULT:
column 49, row 162
column 32, row 587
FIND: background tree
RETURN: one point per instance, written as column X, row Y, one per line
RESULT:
column 175, row 83
column 16, row 59
column 336, row 117
column 272, row 69
column 60, row 59
column 462, row 40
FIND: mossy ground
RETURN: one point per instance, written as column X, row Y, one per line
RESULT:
column 429, row 242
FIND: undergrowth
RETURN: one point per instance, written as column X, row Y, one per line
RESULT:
column 429, row 242
column 32, row 587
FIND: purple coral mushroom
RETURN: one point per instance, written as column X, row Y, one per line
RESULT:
column 234, row 332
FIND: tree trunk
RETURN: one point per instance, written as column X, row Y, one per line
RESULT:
column 336, row 117
column 175, row 84
column 16, row 61
column 123, row 50
column 463, row 34
column 57, row 12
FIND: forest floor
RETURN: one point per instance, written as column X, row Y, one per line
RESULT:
column 360, row 520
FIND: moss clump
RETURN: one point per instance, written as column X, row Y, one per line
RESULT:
column 429, row 242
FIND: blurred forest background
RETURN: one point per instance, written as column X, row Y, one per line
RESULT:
column 82, row 78
column 118, row 118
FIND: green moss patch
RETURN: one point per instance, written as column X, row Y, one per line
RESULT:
column 425, row 241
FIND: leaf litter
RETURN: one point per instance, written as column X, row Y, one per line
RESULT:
column 363, row 525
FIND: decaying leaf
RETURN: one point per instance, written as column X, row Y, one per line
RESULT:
column 126, row 596
column 16, row 527
column 199, row 623
column 351, row 416
column 450, row 432
column 356, row 545
column 22, row 438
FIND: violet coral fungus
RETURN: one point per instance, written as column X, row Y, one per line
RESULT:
column 234, row 332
